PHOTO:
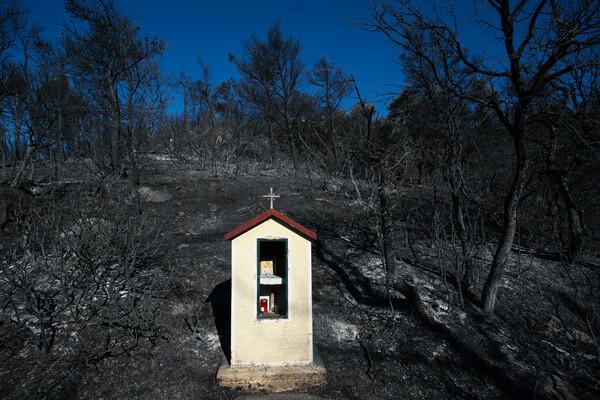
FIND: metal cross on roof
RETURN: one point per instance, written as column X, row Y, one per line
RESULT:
column 272, row 196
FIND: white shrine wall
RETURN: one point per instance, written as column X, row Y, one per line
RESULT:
column 272, row 341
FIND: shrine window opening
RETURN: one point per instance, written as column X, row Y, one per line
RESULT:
column 272, row 301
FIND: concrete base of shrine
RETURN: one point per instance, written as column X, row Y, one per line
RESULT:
column 273, row 378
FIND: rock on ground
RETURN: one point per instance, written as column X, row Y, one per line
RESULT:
column 153, row 195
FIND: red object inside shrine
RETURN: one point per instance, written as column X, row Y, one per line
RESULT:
column 264, row 306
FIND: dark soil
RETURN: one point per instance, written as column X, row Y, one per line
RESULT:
column 371, row 352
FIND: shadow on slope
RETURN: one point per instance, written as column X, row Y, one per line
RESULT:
column 220, row 300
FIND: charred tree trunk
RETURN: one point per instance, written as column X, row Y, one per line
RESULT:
column 289, row 130
column 573, row 215
column 461, row 231
column 334, row 149
column 114, row 123
column 387, row 226
column 271, row 141
column 456, row 184
column 394, row 280
column 351, row 173
column 59, row 138
column 3, row 144
column 22, row 165
column 134, row 170
column 511, row 205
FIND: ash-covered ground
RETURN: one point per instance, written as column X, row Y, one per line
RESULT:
column 535, row 345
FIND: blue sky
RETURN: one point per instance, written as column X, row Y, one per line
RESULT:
column 212, row 29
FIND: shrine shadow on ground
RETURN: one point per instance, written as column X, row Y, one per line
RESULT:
column 220, row 300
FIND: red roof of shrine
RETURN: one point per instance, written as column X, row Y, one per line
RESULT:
column 275, row 215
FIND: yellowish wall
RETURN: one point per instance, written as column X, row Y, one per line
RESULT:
column 270, row 341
